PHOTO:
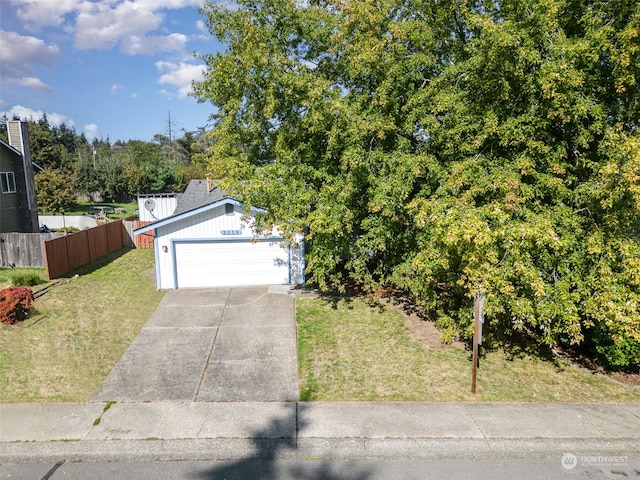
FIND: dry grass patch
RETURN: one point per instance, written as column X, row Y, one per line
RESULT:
column 79, row 330
column 349, row 349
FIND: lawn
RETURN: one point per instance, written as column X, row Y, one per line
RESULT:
column 351, row 350
column 347, row 348
column 79, row 330
column 7, row 274
column 84, row 208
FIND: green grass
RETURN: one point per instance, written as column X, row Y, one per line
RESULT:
column 347, row 349
column 7, row 274
column 84, row 208
column 350, row 350
column 79, row 330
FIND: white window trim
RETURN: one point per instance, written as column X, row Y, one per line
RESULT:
column 8, row 180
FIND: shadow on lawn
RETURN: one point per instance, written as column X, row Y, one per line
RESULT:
column 332, row 297
column 98, row 263
column 91, row 267
column 515, row 344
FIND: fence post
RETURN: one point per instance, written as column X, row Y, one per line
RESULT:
column 478, row 306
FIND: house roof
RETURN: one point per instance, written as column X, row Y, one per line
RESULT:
column 13, row 149
column 198, row 194
column 19, row 154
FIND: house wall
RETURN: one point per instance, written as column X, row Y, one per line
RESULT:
column 297, row 261
column 18, row 133
column 165, row 206
column 19, row 210
column 12, row 218
column 210, row 225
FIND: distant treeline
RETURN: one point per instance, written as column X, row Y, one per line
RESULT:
column 108, row 171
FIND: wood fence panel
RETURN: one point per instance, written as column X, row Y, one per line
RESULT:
column 73, row 251
column 128, row 227
column 98, row 245
column 144, row 240
column 115, row 238
column 56, row 257
column 23, row 249
column 78, row 249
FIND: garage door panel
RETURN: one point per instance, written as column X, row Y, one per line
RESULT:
column 205, row 264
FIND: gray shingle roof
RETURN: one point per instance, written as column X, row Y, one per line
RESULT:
column 197, row 195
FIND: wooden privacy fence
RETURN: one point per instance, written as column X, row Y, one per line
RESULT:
column 64, row 254
column 23, row 249
column 139, row 241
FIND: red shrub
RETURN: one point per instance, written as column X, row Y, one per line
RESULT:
column 15, row 303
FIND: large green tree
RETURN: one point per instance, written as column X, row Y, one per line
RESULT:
column 446, row 148
column 55, row 190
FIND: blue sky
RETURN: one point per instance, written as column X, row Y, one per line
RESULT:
column 109, row 68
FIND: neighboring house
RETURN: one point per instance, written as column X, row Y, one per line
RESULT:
column 208, row 242
column 18, row 206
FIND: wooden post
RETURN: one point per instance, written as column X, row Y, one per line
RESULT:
column 478, row 304
column 474, row 370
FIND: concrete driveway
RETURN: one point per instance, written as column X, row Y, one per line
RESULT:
column 211, row 345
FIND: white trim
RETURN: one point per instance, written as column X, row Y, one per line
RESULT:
column 5, row 181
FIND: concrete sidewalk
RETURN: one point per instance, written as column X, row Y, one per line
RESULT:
column 232, row 430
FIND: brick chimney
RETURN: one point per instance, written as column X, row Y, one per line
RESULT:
column 19, row 139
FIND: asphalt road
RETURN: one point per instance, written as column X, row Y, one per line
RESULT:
column 325, row 469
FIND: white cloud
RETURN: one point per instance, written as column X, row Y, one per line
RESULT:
column 101, row 26
column 148, row 45
column 29, row 82
column 38, row 13
column 91, row 131
column 204, row 34
column 200, row 25
column 42, row 13
column 133, row 26
column 228, row 5
column 115, row 88
column 130, row 25
column 179, row 75
column 25, row 113
column 18, row 54
column 170, row 4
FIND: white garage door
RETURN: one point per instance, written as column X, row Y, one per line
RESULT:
column 228, row 263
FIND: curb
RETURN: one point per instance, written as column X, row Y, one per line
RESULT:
column 318, row 448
